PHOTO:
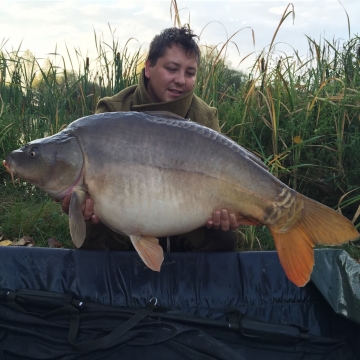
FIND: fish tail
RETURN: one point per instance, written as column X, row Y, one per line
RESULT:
column 311, row 223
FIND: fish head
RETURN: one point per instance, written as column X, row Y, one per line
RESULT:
column 53, row 164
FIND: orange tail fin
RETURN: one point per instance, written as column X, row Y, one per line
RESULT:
column 314, row 224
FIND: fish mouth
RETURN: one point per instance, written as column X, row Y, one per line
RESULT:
column 10, row 170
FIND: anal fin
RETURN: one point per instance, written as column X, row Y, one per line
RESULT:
column 149, row 250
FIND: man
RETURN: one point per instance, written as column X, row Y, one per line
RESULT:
column 167, row 84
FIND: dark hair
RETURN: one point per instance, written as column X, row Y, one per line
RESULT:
column 183, row 37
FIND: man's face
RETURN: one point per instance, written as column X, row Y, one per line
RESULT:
column 172, row 76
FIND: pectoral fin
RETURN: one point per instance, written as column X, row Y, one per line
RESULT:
column 149, row 250
column 76, row 218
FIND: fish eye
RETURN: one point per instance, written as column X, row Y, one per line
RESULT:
column 33, row 152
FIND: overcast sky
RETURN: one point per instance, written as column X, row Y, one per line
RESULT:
column 42, row 25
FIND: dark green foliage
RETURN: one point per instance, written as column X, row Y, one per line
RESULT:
column 26, row 211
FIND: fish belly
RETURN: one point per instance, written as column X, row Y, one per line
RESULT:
column 143, row 200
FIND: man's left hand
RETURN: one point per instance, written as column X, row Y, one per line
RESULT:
column 221, row 219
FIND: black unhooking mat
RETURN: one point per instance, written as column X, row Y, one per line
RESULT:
column 73, row 304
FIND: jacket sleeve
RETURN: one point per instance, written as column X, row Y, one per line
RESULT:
column 204, row 114
column 121, row 101
column 103, row 106
column 213, row 121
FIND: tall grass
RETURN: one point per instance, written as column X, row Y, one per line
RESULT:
column 299, row 114
column 39, row 100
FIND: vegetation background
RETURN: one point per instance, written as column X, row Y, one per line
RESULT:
column 300, row 116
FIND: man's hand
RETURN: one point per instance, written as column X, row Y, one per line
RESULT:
column 87, row 208
column 222, row 220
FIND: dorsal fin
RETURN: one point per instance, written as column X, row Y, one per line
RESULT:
column 256, row 159
column 164, row 114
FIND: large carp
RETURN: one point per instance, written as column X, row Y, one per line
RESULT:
column 155, row 174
